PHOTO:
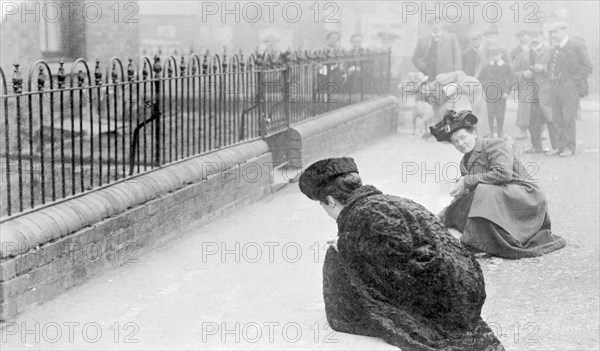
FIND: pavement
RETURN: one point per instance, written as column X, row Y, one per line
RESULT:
column 253, row 280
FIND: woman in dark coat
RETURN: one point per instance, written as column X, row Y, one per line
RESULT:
column 497, row 205
column 396, row 273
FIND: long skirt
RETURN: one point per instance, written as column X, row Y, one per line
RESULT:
column 483, row 235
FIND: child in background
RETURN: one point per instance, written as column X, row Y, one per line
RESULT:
column 497, row 80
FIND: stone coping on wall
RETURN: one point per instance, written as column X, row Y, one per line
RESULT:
column 31, row 230
column 341, row 131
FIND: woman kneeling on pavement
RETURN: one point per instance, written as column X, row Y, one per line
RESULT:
column 396, row 272
column 497, row 205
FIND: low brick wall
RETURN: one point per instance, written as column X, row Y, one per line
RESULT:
column 341, row 131
column 47, row 251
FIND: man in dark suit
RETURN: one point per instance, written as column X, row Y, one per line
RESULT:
column 522, row 50
column 534, row 88
column 524, row 41
column 471, row 58
column 330, row 79
column 497, row 79
column 438, row 52
column 569, row 67
column 490, row 40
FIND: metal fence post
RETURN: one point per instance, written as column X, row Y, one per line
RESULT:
column 286, row 89
column 389, row 70
column 260, row 96
column 156, row 108
column 97, row 112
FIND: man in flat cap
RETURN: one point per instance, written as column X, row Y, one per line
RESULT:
column 490, row 40
column 497, row 79
column 524, row 40
column 471, row 58
column 438, row 52
column 569, row 67
column 534, row 89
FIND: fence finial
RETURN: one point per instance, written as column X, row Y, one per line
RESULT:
column 113, row 73
column 17, row 79
column 156, row 67
column 205, row 63
column 144, row 71
column 61, row 75
column 81, row 78
column 169, row 68
column 41, row 78
column 97, row 73
column 130, row 71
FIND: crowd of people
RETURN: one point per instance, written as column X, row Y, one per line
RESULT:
column 395, row 270
column 547, row 74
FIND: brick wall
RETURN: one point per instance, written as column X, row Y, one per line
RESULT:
column 115, row 33
column 90, row 29
column 50, row 250
column 341, row 131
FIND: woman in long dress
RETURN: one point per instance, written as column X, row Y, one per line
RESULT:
column 396, row 272
column 497, row 204
column 449, row 91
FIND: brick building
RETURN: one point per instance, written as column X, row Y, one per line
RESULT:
column 55, row 30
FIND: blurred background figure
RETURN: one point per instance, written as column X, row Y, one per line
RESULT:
column 448, row 91
column 522, row 51
column 330, row 78
column 437, row 52
column 356, row 42
column 357, row 72
column 524, row 40
column 333, row 40
column 490, row 40
column 497, row 79
column 534, row 88
column 424, row 104
column 569, row 67
column 471, row 58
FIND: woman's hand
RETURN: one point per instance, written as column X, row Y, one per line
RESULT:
column 460, row 188
column 332, row 242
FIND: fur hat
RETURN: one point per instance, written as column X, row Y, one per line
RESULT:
column 318, row 175
column 452, row 122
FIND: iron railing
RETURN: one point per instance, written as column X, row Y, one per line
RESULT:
column 81, row 127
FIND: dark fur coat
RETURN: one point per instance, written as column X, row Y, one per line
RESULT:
column 400, row 275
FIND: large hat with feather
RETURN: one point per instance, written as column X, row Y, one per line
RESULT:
column 452, row 122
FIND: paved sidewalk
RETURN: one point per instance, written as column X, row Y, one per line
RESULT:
column 252, row 280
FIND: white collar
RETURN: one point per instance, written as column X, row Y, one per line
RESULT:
column 500, row 63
